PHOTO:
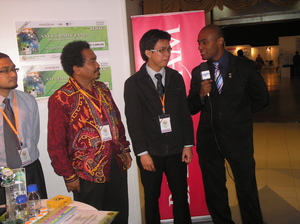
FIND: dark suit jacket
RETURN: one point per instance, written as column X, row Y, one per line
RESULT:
column 143, row 107
column 244, row 92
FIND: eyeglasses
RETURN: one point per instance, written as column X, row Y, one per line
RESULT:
column 8, row 71
column 163, row 51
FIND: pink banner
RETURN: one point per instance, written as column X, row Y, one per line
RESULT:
column 184, row 28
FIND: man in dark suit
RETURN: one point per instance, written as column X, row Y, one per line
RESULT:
column 225, row 132
column 160, row 126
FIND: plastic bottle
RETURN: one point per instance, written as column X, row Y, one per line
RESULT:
column 34, row 201
column 21, row 208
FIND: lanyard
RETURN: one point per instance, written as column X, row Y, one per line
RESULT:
column 162, row 100
column 89, row 96
column 16, row 112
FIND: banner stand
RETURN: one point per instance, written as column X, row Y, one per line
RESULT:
column 184, row 28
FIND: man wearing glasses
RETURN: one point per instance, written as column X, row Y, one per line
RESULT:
column 160, row 126
column 19, row 128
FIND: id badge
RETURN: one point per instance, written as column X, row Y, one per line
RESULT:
column 105, row 133
column 25, row 157
column 165, row 123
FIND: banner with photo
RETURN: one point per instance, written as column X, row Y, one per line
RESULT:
column 40, row 44
column 184, row 28
column 44, row 79
column 44, row 40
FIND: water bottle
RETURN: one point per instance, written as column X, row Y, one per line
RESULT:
column 21, row 209
column 34, row 200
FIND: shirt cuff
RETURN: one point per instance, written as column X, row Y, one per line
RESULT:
column 188, row 146
column 71, row 178
column 142, row 153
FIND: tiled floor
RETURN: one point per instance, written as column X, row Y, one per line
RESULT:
column 277, row 153
column 284, row 103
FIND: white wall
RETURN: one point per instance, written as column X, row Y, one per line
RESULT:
column 252, row 52
column 267, row 56
column 287, row 49
column 245, row 48
column 114, row 12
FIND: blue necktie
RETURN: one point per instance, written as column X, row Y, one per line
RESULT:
column 159, row 87
column 12, row 145
column 218, row 77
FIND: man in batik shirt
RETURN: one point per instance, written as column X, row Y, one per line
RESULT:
column 86, row 138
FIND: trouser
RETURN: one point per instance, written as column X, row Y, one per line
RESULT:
column 214, row 180
column 176, row 173
column 108, row 196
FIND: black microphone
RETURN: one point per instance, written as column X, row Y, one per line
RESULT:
column 205, row 73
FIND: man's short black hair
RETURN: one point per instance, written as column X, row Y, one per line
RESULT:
column 150, row 38
column 72, row 55
column 2, row 55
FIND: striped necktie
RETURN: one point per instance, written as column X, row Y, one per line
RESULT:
column 218, row 77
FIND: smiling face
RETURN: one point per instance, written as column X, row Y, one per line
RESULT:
column 210, row 45
column 158, row 60
column 8, row 80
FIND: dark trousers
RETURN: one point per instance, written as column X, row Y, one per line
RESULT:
column 176, row 173
column 109, row 196
column 214, row 179
column 34, row 175
column 297, row 71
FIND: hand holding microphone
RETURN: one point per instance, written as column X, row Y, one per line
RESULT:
column 206, row 80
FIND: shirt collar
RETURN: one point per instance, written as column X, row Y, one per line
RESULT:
column 81, row 86
column 151, row 72
column 223, row 60
column 9, row 97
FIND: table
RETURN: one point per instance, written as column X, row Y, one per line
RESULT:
column 83, row 214
column 80, row 205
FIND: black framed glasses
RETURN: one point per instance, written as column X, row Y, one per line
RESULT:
column 8, row 71
column 163, row 51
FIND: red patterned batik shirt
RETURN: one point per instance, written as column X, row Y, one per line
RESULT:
column 76, row 118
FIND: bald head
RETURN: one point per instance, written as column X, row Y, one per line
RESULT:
column 214, row 29
column 211, row 42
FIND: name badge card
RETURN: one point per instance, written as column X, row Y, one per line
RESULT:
column 25, row 157
column 105, row 133
column 165, row 123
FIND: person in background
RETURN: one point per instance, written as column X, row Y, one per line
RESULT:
column 240, row 53
column 26, row 126
column 225, row 131
column 160, row 126
column 296, row 63
column 259, row 62
column 86, row 137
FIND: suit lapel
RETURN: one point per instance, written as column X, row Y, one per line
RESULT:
column 228, row 75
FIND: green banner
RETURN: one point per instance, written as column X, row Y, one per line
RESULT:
column 41, row 81
column 52, row 40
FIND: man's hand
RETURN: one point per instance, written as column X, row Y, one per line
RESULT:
column 205, row 88
column 73, row 186
column 129, row 159
column 187, row 155
column 147, row 162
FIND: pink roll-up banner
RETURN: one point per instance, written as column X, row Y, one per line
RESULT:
column 184, row 28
